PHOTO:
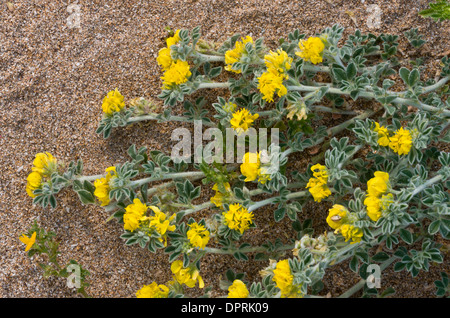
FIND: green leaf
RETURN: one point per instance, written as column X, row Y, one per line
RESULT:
column 279, row 214
column 413, row 77
column 406, row 236
column 399, row 266
column 85, row 196
column 380, row 257
column 404, row 74
column 433, row 228
column 354, row 263
column 351, row 71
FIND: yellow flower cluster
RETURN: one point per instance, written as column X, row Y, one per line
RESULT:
column 134, row 214
column 339, row 219
column 400, row 142
column 234, row 55
column 44, row 164
column 164, row 58
column 161, row 223
column 318, row 183
column 378, row 198
column 238, row 290
column 242, row 120
column 269, row 84
column 284, row 279
column 102, row 186
column 219, row 198
column 113, row 102
column 188, row 276
column 252, row 169
column 176, row 72
column 351, row 232
column 238, row 218
column 153, row 291
column 311, row 50
column 271, row 81
column 383, row 135
column 278, row 62
column 198, row 235
column 135, row 217
column 28, row 241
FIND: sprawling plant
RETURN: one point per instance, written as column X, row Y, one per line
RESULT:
column 381, row 169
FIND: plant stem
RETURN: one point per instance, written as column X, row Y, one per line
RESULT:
column 214, row 85
column 398, row 100
column 290, row 196
column 435, row 86
column 152, row 116
column 176, row 175
column 332, row 110
column 211, row 58
column 429, row 182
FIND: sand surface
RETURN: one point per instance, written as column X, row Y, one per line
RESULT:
column 53, row 79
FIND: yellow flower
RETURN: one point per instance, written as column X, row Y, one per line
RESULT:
column 28, row 241
column 250, row 166
column 311, row 50
column 161, row 223
column 198, row 235
column 283, row 278
column 401, row 142
column 34, row 181
column 238, row 218
column 318, row 183
column 383, row 135
column 238, row 290
column 44, row 164
column 372, row 204
column 318, row 190
column 134, row 213
column 164, row 58
column 178, row 73
column 242, row 120
column 320, row 172
column 153, row 291
column 278, row 62
column 102, row 187
column 188, row 276
column 234, row 55
column 349, row 231
column 174, row 39
column 336, row 216
column 219, row 197
column 113, row 102
column 269, row 84
column 379, row 184
column 375, row 205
